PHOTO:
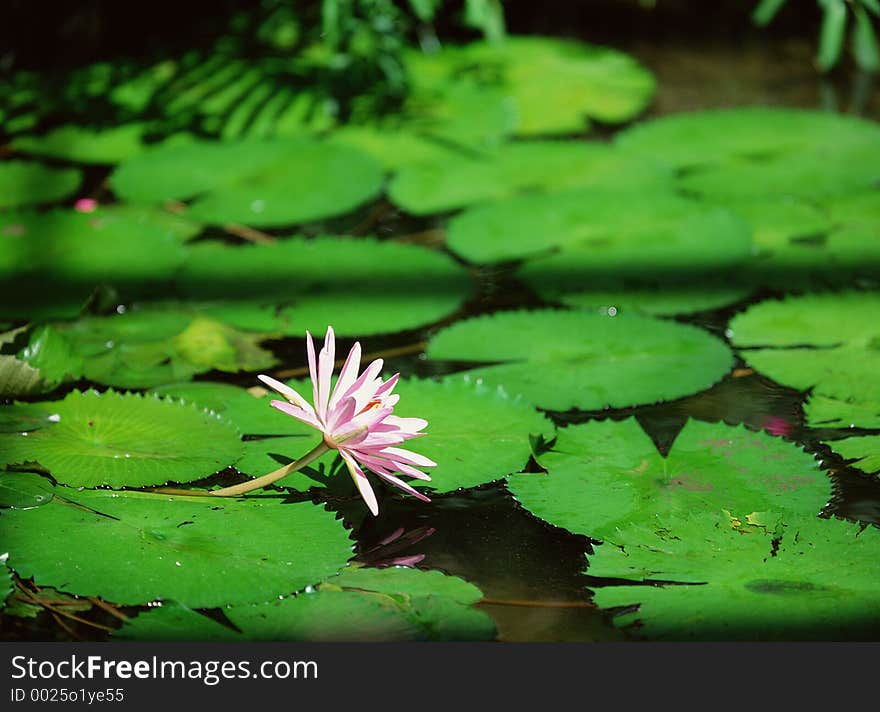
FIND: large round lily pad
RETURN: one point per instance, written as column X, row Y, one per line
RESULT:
column 126, row 440
column 253, row 182
column 361, row 286
column 357, row 605
column 551, row 86
column 23, row 183
column 560, row 359
column 801, row 578
column 132, row 547
column 829, row 343
column 605, row 475
column 626, row 232
column 521, row 167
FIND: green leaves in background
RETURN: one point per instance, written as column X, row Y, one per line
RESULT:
column 522, row 167
column 766, row 579
column 762, row 152
column 626, row 232
column 585, row 360
column 547, row 85
column 829, row 343
column 253, row 182
column 76, row 253
column 123, row 440
column 154, row 344
column 864, row 449
column 132, row 547
column 23, row 183
column 360, row 286
column 80, row 144
column 357, row 605
column 605, row 476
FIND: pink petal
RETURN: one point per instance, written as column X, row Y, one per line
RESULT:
column 388, row 386
column 368, row 375
column 298, row 413
column 291, row 395
column 361, row 482
column 379, row 468
column 313, row 369
column 408, row 425
column 408, row 457
column 340, row 417
column 347, row 375
column 325, row 372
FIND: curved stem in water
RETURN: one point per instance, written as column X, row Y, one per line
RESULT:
column 260, row 482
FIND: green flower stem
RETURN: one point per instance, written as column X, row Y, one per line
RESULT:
column 260, row 482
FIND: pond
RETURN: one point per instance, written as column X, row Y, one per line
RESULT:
column 633, row 290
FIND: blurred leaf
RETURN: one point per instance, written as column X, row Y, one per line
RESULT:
column 831, row 34
column 85, row 145
column 765, row 11
column 19, row 378
column 25, row 183
column 865, row 47
column 486, row 16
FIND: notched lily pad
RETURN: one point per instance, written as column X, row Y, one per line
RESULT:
column 124, row 440
column 586, row 360
column 133, row 547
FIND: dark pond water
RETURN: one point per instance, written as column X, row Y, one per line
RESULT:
column 535, row 577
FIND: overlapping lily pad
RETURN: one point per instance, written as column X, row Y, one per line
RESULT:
column 626, row 232
column 863, row 449
column 550, row 86
column 125, row 440
column 132, row 547
column 829, row 343
column 604, row 476
column 361, row 287
column 24, row 490
column 86, row 145
column 253, row 182
column 76, row 253
column 521, row 167
column 150, row 345
column 358, row 605
column 586, row 360
column 25, row 183
column 798, row 578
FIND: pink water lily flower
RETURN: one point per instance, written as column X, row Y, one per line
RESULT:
column 356, row 418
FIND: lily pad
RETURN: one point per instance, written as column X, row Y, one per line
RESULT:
column 826, row 412
column 126, row 440
column 24, row 490
column 748, row 135
column 358, row 605
column 623, row 231
column 864, row 450
column 133, row 547
column 521, row 167
column 82, row 144
column 24, row 183
column 803, row 579
column 362, row 286
column 551, row 86
column 609, row 296
column 18, row 378
column 77, row 252
column 253, row 182
column 827, row 342
column 605, row 475
column 149, row 345
column 585, row 360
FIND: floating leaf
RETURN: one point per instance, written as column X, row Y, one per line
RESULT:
column 75, row 253
column 149, row 345
column 626, row 232
column 361, row 286
column 605, row 475
column 126, row 440
column 824, row 411
column 620, row 297
column 585, row 360
column 23, row 183
column 726, row 137
column 864, row 449
column 817, row 581
column 359, row 605
column 522, row 167
column 133, row 547
column 552, row 86
column 24, row 490
column 827, row 342
column 18, row 378
column 81, row 144
column 253, row 182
